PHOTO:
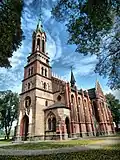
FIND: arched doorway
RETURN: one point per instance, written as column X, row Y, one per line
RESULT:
column 54, row 124
column 67, row 126
column 24, row 127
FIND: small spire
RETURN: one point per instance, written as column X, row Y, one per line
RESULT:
column 72, row 81
column 97, row 83
column 98, row 87
column 39, row 26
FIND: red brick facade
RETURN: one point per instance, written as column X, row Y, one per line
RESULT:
column 51, row 108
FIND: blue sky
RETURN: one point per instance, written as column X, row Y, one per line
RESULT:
column 61, row 54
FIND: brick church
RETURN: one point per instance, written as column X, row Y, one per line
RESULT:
column 51, row 108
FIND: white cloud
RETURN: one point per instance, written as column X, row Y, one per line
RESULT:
column 106, row 90
column 15, row 60
column 47, row 14
column 117, row 94
column 50, row 47
column 29, row 1
column 81, row 65
column 56, row 48
column 17, row 88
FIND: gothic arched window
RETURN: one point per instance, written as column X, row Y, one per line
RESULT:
column 28, row 85
column 42, row 70
column 44, row 85
column 46, row 103
column 72, row 98
column 47, row 61
column 85, row 103
column 45, row 72
column 54, row 124
column 49, row 124
column 33, row 45
column 38, row 42
column 43, row 46
column 31, row 70
column 59, row 98
column 78, row 100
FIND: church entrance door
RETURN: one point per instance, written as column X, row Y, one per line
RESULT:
column 67, row 126
column 25, row 125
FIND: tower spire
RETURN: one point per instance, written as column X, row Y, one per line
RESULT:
column 97, row 81
column 39, row 35
column 72, row 81
column 39, row 25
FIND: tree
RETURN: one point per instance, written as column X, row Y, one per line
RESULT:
column 94, row 26
column 8, row 110
column 114, row 106
column 11, row 34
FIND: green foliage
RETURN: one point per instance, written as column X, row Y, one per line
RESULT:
column 89, row 24
column 11, row 33
column 8, row 110
column 114, row 106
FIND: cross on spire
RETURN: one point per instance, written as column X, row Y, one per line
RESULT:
column 40, row 15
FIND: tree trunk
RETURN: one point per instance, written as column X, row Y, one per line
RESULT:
column 8, row 135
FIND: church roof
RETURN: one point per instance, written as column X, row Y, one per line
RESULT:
column 80, row 91
column 73, row 89
column 56, row 105
column 91, row 93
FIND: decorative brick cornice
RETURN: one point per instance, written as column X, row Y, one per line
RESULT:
column 45, row 98
column 47, row 65
column 34, row 89
column 35, row 75
column 56, row 108
column 40, row 53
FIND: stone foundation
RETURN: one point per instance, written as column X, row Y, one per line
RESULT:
column 62, row 136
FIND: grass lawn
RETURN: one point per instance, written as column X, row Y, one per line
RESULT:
column 83, row 155
column 3, row 141
column 113, row 147
column 52, row 144
column 111, row 152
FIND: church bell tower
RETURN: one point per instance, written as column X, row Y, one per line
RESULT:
column 36, row 88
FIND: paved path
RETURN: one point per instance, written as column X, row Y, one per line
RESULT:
column 97, row 145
